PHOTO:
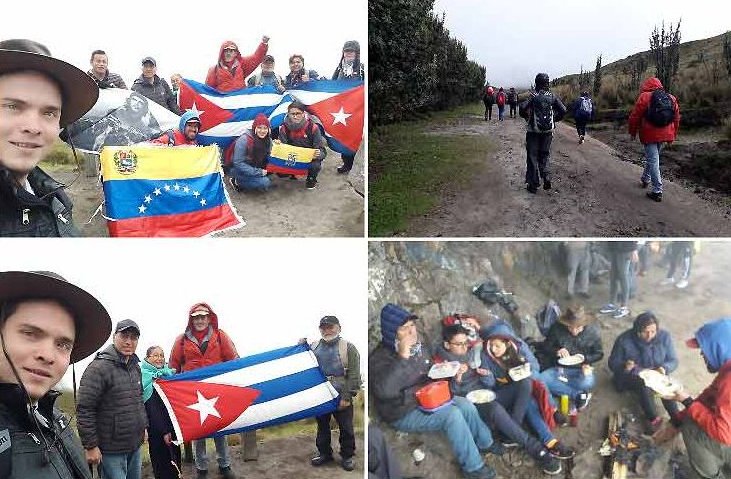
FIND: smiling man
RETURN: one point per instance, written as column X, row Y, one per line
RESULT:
column 46, row 323
column 39, row 95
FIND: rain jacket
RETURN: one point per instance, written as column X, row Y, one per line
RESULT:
column 243, row 158
column 158, row 91
column 224, row 77
column 659, row 352
column 499, row 373
column 176, row 137
column 587, row 342
column 217, row 347
column 151, row 372
column 711, row 410
column 650, row 133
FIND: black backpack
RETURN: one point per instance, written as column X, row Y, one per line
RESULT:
column 661, row 111
column 543, row 112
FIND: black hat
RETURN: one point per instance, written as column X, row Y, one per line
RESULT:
column 126, row 324
column 149, row 60
column 92, row 320
column 351, row 45
column 268, row 58
column 329, row 320
column 79, row 91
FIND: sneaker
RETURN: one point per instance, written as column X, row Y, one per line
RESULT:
column 644, row 184
column 667, row 281
column 227, row 473
column 683, row 283
column 495, row 448
column 560, row 418
column 608, row 308
column 546, row 185
column 654, row 196
column 485, row 472
column 549, row 464
column 348, row 464
column 582, row 400
column 201, row 474
column 581, row 139
column 560, row 451
column 342, row 169
column 621, row 313
column 234, row 185
column 508, row 443
column 532, row 189
column 310, row 183
column 321, row 459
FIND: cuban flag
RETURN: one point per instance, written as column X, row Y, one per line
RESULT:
column 161, row 191
column 254, row 392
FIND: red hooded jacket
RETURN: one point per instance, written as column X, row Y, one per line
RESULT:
column 231, row 77
column 186, row 354
column 178, row 139
column 650, row 133
column 711, row 410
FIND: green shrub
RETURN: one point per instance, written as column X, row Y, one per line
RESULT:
column 60, row 154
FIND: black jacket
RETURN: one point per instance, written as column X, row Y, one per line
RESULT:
column 27, row 456
column 587, row 342
column 525, row 109
column 45, row 214
column 110, row 411
column 158, row 91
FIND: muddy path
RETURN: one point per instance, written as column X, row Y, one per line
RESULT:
column 334, row 209
column 595, row 193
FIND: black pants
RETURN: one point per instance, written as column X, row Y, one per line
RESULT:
column 581, row 127
column 498, row 419
column 538, row 148
column 344, row 418
column 646, row 395
column 488, row 110
column 348, row 161
column 513, row 107
column 160, row 456
column 381, row 461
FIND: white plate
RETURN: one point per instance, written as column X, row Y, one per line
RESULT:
column 664, row 385
column 479, row 396
column 444, row 370
column 574, row 360
column 518, row 373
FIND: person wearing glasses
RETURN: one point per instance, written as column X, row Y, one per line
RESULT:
column 232, row 68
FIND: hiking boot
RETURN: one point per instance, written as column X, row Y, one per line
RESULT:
column 342, row 169
column 495, row 448
column 485, row 472
column 682, row 284
column 546, row 185
column 348, row 464
column 532, row 189
column 582, row 400
column 201, row 474
column 654, row 196
column 320, row 460
column 227, row 473
column 310, row 183
column 608, row 308
column 549, row 464
column 621, row 313
column 667, row 281
column 560, row 451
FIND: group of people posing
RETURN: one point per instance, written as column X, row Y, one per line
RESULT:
column 526, row 380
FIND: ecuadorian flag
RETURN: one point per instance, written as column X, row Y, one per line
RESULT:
column 166, row 192
column 292, row 160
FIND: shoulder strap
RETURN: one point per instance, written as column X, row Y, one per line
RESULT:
column 182, row 351
column 171, row 137
column 343, row 353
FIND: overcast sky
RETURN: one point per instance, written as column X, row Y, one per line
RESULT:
column 186, row 39
column 517, row 39
column 267, row 293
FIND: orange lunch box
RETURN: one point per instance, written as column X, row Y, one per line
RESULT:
column 433, row 395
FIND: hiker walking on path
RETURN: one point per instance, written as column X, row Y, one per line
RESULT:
column 583, row 112
column 500, row 99
column 656, row 116
column 513, row 102
column 542, row 110
column 488, row 99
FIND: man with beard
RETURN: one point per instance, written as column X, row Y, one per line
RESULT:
column 39, row 95
column 299, row 130
column 349, row 68
column 185, row 134
column 340, row 362
column 251, row 153
column 706, row 420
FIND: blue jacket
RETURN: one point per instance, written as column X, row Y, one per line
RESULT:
column 499, row 374
column 657, row 353
column 242, row 159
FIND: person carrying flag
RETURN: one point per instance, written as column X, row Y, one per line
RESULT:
column 185, row 134
column 349, row 68
column 298, row 129
column 232, row 69
column 251, row 154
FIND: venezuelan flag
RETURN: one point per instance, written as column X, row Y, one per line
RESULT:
column 291, row 160
column 165, row 191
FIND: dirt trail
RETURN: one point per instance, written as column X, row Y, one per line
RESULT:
column 594, row 194
column 335, row 208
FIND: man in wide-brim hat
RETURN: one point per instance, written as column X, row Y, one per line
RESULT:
column 569, row 374
column 39, row 95
column 46, row 323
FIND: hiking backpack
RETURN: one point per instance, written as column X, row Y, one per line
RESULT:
column 342, row 352
column 660, row 112
column 512, row 97
column 543, row 112
column 585, row 108
column 547, row 315
column 501, row 99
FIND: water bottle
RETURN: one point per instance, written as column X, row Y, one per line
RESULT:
column 564, row 404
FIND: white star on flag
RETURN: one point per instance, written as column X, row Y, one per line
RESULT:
column 148, row 198
column 142, row 208
column 196, row 194
column 340, row 117
column 177, row 187
column 167, row 187
column 205, row 407
column 195, row 110
column 157, row 192
column 186, row 189
column 203, row 202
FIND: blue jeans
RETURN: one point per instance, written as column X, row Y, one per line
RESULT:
column 500, row 112
column 652, row 166
column 577, row 382
column 122, row 466
column 535, row 421
column 620, row 278
column 466, row 432
column 201, row 455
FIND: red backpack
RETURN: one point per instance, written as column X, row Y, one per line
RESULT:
column 501, row 98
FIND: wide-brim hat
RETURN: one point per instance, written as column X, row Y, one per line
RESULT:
column 575, row 316
column 93, row 324
column 78, row 90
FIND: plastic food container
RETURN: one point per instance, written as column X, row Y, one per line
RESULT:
column 433, row 395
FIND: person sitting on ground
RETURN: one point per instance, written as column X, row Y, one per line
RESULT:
column 185, row 134
column 645, row 346
column 250, row 158
column 298, row 74
column 53, row 94
column 584, row 111
column 455, row 346
column 572, row 334
column 164, row 453
column 229, row 72
column 298, row 129
column 705, row 421
column 502, row 354
column 398, row 370
column 267, row 76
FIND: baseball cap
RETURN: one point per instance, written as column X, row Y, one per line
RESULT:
column 92, row 320
column 126, row 324
column 268, row 58
column 329, row 320
column 149, row 60
column 200, row 311
column 79, row 91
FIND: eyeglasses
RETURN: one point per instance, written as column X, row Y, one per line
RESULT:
column 462, row 344
column 230, row 50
